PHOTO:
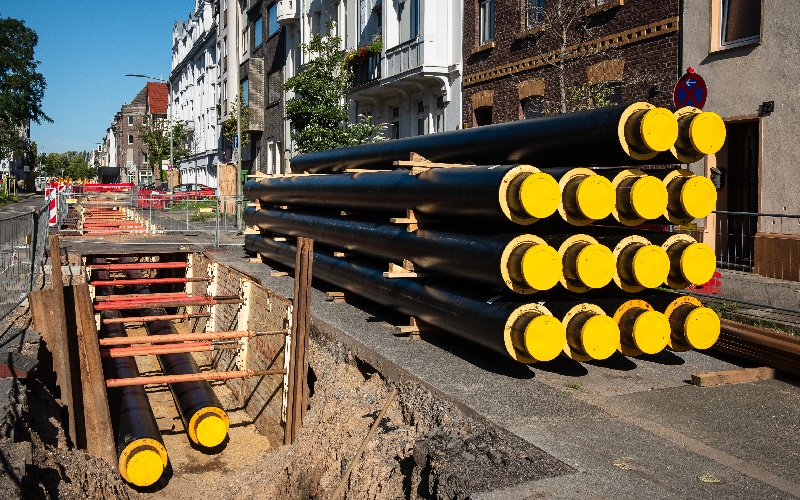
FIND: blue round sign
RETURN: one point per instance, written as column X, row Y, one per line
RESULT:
column 690, row 90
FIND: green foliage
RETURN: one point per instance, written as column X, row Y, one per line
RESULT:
column 21, row 86
column 73, row 164
column 6, row 198
column 319, row 110
column 154, row 134
column 229, row 126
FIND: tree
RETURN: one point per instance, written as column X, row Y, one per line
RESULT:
column 154, row 134
column 229, row 127
column 21, row 86
column 71, row 164
column 319, row 109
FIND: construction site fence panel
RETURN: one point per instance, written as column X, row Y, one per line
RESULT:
column 23, row 242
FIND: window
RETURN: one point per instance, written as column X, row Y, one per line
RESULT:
column 534, row 13
column 408, row 16
column 487, row 21
column 130, row 139
column 245, row 40
column 395, row 122
column 258, row 32
column 225, row 54
column 144, row 157
column 422, row 118
column 225, row 14
column 245, row 91
column 483, row 116
column 273, row 87
column 225, row 97
column 272, row 15
column 130, row 120
column 440, row 113
column 740, row 23
column 532, row 107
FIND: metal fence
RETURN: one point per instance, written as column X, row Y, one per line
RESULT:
column 210, row 218
column 23, row 240
column 758, row 262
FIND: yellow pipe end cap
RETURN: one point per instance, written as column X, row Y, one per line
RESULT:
column 540, row 195
column 650, row 266
column 707, row 132
column 698, row 263
column 595, row 197
column 649, row 197
column 211, row 429
column 698, row 196
column 701, row 328
column 595, row 265
column 541, row 267
column 144, row 467
column 651, row 332
column 600, row 337
column 544, row 338
column 659, row 129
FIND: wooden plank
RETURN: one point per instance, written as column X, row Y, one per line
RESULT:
column 736, row 376
column 96, row 415
column 60, row 339
column 301, row 322
column 40, row 302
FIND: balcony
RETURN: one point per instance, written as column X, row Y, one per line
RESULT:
column 288, row 12
column 366, row 71
column 404, row 57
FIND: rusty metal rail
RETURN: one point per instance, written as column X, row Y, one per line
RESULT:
column 146, row 281
column 166, row 338
column 777, row 350
column 173, row 379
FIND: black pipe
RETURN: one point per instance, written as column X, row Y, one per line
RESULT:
column 519, row 193
column 606, row 136
column 524, row 332
column 142, row 456
column 520, row 263
column 204, row 418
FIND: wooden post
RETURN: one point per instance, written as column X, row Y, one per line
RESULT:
column 60, row 338
column 301, row 321
column 97, row 418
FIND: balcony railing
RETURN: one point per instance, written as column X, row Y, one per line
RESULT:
column 404, row 57
column 367, row 70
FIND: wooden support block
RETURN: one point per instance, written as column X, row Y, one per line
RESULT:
column 257, row 259
column 396, row 271
column 363, row 170
column 278, row 273
column 279, row 238
column 415, row 328
column 341, row 255
column 337, row 297
column 252, row 230
column 737, row 376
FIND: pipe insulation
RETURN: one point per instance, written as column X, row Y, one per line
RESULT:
column 521, row 331
column 520, row 263
column 204, row 418
column 142, row 456
column 615, row 135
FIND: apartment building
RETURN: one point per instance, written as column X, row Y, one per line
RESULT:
column 193, row 91
column 516, row 67
column 745, row 51
column 413, row 84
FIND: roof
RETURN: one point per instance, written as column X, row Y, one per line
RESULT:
column 157, row 98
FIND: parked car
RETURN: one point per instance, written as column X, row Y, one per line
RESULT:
column 192, row 192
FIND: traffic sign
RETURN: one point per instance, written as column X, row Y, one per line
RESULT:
column 691, row 90
column 236, row 140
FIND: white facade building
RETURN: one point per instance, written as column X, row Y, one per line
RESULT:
column 194, row 89
column 414, row 84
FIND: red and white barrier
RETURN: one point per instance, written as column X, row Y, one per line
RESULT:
column 51, row 195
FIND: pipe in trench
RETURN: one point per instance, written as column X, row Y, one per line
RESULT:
column 142, row 456
column 523, row 264
column 205, row 420
column 524, row 332
column 616, row 135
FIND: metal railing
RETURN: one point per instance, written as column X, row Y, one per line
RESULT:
column 23, row 240
column 211, row 218
column 758, row 262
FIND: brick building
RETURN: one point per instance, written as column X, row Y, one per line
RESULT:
column 512, row 49
column 131, row 155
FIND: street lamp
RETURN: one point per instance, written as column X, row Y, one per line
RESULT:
column 169, row 112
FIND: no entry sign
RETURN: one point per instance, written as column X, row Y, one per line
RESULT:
column 690, row 90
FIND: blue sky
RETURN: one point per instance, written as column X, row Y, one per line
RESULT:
column 85, row 48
